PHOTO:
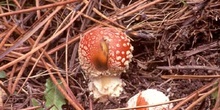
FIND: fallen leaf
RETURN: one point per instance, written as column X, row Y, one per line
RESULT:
column 35, row 103
column 2, row 74
column 54, row 99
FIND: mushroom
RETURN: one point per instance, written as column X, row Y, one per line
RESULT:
column 150, row 97
column 104, row 53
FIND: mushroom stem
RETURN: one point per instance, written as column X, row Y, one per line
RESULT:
column 106, row 86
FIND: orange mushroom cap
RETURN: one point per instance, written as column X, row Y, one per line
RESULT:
column 105, row 51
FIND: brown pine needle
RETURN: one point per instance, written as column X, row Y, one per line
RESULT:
column 189, row 76
column 188, row 67
column 37, row 8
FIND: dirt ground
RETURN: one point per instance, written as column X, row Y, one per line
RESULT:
column 176, row 50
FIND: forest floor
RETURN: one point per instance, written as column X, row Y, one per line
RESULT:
column 176, row 51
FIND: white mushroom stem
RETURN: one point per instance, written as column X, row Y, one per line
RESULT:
column 106, row 86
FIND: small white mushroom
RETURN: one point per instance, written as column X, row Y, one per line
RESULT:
column 150, row 97
column 102, row 57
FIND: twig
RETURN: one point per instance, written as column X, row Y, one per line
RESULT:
column 38, row 8
column 188, row 67
column 29, row 34
column 64, row 93
column 38, row 11
column 5, row 89
column 7, row 35
column 201, row 98
column 217, row 103
column 29, row 57
column 138, row 9
column 198, row 49
column 113, row 18
column 32, row 108
column 40, row 45
column 11, row 76
column 16, row 2
column 189, row 76
column 195, row 93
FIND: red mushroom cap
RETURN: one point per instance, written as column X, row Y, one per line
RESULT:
column 105, row 51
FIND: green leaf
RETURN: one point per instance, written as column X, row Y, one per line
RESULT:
column 53, row 96
column 2, row 74
column 215, row 94
column 35, row 103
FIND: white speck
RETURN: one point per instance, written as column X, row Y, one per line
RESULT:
column 90, row 33
column 117, row 33
column 118, row 58
column 127, row 66
column 85, row 47
column 111, row 53
column 123, row 59
column 131, row 48
column 122, row 37
column 93, row 38
column 118, row 63
column 83, row 52
column 107, row 38
column 111, row 60
column 169, row 89
column 128, row 44
column 122, row 52
column 124, row 44
column 128, row 52
column 117, row 45
column 126, row 62
column 117, row 52
column 101, row 32
column 129, row 56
